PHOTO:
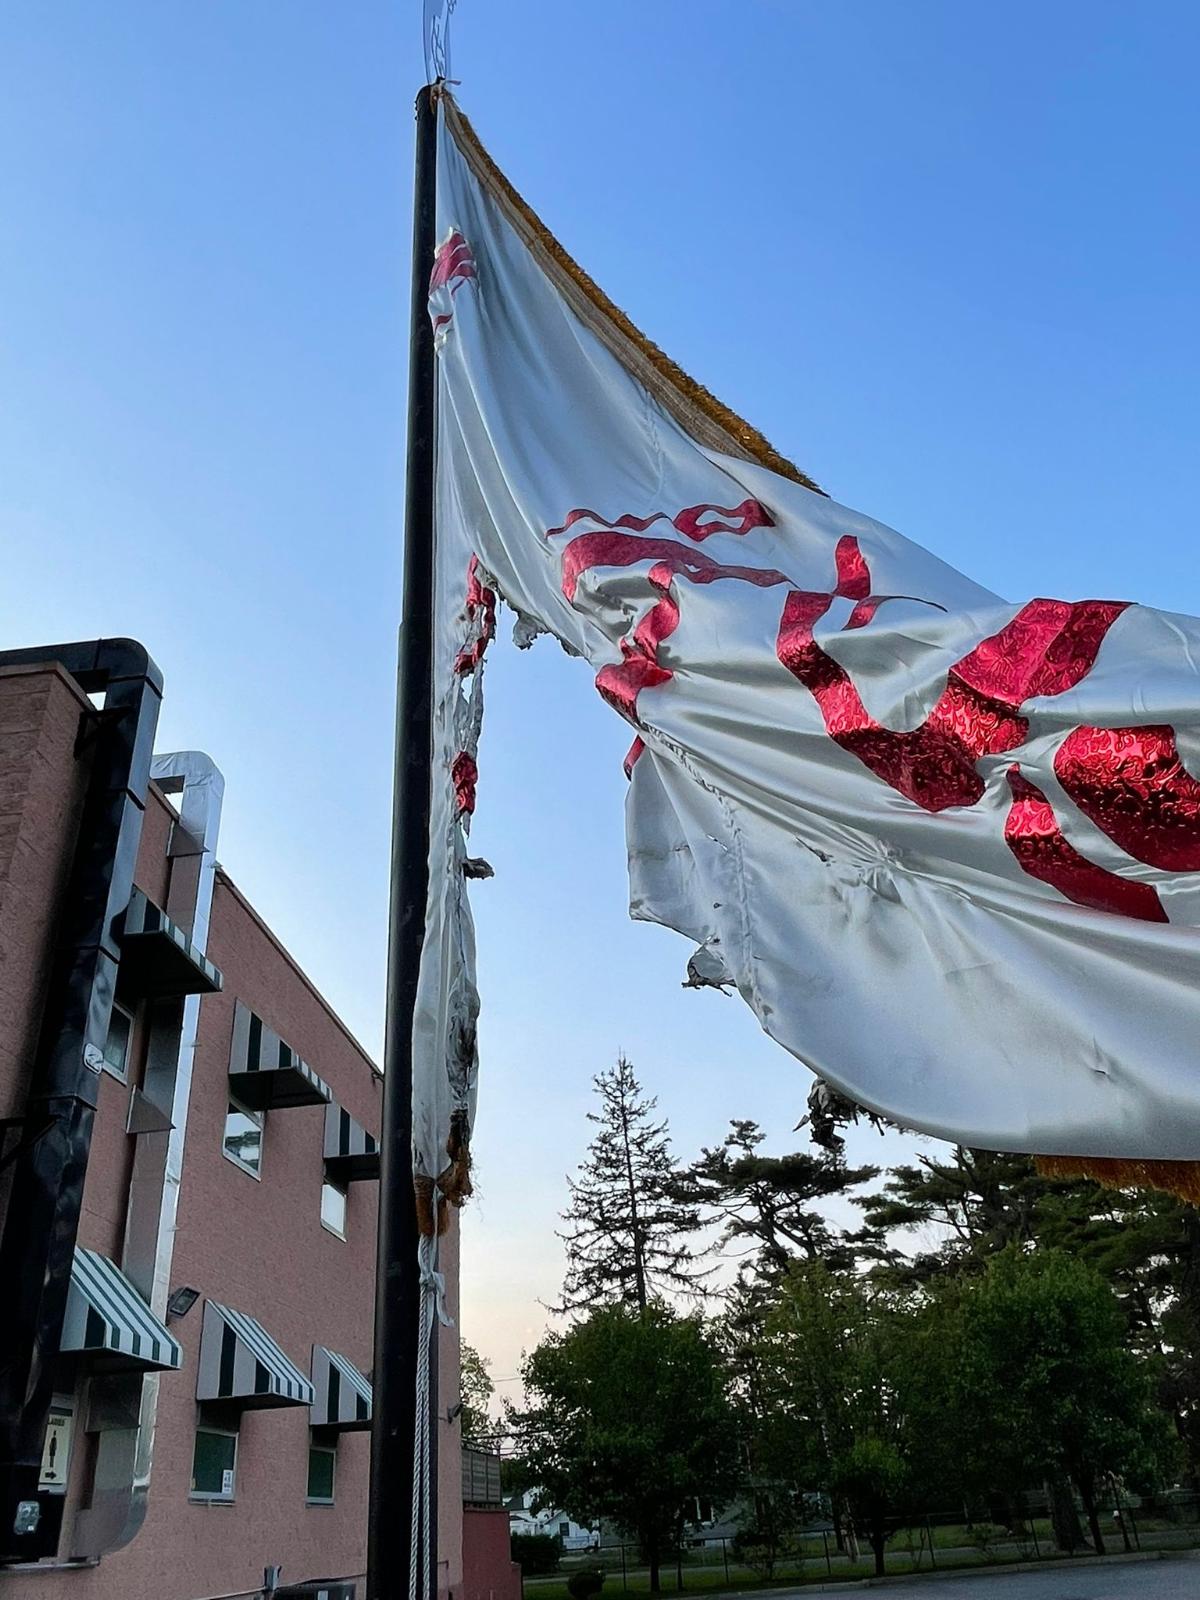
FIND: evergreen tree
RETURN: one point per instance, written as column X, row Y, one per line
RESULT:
column 1145, row 1244
column 978, row 1202
column 771, row 1200
column 630, row 1223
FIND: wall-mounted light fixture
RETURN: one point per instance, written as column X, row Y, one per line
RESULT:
column 182, row 1301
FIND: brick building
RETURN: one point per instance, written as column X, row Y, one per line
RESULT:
column 189, row 1192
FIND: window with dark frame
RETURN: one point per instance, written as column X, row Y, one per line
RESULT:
column 116, row 1046
column 322, row 1472
column 243, row 1141
column 214, row 1461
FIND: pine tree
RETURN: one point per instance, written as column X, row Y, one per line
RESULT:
column 772, row 1201
column 629, row 1228
column 974, row 1205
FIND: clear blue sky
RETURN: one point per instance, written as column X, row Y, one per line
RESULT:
column 944, row 255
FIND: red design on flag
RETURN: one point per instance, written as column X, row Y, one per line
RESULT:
column 621, row 683
column 609, row 549
column 750, row 514
column 453, row 265
column 1049, row 646
column 464, row 775
column 480, row 607
column 1032, row 833
column 1132, row 783
column 640, row 668
column 853, row 574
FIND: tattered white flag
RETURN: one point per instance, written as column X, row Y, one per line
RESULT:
column 946, row 847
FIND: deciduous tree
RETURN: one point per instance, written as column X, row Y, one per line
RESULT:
column 1045, row 1386
column 627, row 1418
column 475, row 1390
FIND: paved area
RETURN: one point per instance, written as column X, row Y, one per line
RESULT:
column 1143, row 1580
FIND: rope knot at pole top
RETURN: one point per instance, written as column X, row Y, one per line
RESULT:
column 433, row 1282
column 438, row 88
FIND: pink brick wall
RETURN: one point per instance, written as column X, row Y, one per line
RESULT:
column 255, row 1245
column 41, row 792
column 259, row 1247
column 153, row 870
column 489, row 1573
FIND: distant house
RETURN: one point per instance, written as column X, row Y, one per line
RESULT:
column 522, row 1518
column 706, row 1523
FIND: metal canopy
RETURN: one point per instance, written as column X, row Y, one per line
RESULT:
column 265, row 1073
column 108, row 1319
column 240, row 1363
column 158, row 960
column 351, row 1153
column 342, row 1394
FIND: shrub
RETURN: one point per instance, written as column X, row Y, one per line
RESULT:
column 763, row 1548
column 984, row 1535
column 586, row 1583
column 536, row 1553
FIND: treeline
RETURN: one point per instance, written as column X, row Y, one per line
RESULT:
column 967, row 1333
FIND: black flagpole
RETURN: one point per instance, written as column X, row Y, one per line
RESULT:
column 397, row 1284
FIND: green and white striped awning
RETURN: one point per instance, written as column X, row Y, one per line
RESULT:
column 265, row 1073
column 240, row 1362
column 107, row 1317
column 341, row 1395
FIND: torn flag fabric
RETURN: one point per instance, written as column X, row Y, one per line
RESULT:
column 946, row 847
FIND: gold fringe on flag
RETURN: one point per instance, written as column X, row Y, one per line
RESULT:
column 1180, row 1178
column 709, row 421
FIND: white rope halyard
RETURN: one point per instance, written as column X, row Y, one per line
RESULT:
column 432, row 1314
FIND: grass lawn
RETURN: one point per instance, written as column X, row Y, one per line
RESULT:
column 954, row 1547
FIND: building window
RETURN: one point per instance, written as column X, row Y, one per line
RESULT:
column 214, row 1462
column 322, row 1465
column 244, row 1138
column 333, row 1208
column 116, row 1046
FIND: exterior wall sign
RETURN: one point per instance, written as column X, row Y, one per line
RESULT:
column 56, row 1451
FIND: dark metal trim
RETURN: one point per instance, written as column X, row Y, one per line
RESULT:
column 38, row 1242
column 31, row 1133
column 158, row 960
